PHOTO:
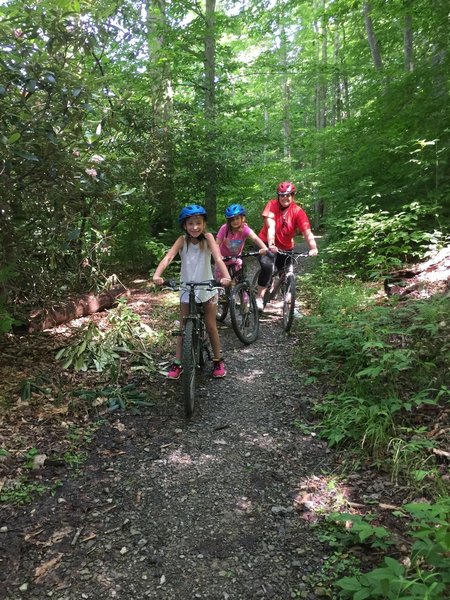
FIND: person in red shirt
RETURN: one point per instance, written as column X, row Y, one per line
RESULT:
column 283, row 220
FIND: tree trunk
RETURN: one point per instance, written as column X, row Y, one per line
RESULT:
column 286, row 96
column 321, row 65
column 210, row 112
column 408, row 40
column 336, row 109
column 87, row 304
column 161, row 183
column 371, row 38
column 345, row 84
column 320, row 27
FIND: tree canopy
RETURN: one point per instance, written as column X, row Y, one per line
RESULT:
column 114, row 114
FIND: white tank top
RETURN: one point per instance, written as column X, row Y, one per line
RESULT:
column 196, row 266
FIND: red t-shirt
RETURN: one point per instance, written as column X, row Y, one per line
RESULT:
column 288, row 223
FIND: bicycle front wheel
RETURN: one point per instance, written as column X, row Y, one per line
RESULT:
column 189, row 362
column 244, row 313
column 288, row 301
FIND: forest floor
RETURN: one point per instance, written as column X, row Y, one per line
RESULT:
column 138, row 504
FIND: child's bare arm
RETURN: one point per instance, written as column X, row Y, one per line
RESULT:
column 167, row 260
column 218, row 259
column 258, row 242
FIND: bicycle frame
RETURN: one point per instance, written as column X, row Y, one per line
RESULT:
column 283, row 279
column 194, row 340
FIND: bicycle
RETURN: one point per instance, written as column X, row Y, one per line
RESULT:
column 195, row 340
column 240, row 301
column 283, row 282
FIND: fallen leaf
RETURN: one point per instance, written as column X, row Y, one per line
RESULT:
column 58, row 536
column 42, row 570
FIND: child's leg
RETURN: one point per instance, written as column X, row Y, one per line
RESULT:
column 210, row 310
column 184, row 311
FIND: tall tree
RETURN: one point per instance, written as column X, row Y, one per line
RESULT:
column 408, row 37
column 371, row 37
column 210, row 110
column 160, row 183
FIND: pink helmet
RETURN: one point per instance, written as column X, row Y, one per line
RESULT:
column 286, row 188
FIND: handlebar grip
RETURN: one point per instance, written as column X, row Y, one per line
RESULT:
column 171, row 283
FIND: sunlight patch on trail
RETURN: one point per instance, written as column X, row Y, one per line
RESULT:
column 180, row 458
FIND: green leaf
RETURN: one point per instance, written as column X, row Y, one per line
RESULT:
column 60, row 353
column 394, row 566
column 26, row 155
column 349, row 584
column 14, row 137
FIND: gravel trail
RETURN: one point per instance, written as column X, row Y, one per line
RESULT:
column 172, row 509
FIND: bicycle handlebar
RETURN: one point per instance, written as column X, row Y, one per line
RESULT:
column 293, row 253
column 210, row 284
column 246, row 254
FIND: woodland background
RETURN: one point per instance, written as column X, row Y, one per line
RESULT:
column 114, row 114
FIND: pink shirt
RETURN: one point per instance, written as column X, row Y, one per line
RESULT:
column 231, row 243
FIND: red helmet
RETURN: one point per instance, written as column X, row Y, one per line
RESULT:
column 286, row 188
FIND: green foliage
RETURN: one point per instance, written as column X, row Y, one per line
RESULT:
column 95, row 348
column 373, row 242
column 425, row 574
column 23, row 492
column 382, row 363
column 114, row 397
column 358, row 530
column 7, row 274
column 6, row 320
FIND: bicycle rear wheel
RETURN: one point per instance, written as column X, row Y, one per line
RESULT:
column 244, row 313
column 222, row 307
column 189, row 363
column 288, row 301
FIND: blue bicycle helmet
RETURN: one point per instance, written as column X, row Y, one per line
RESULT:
column 234, row 210
column 190, row 211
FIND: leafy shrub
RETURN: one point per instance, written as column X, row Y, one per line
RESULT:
column 374, row 242
column 424, row 575
column 380, row 364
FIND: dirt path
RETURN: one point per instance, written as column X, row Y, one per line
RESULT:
column 174, row 510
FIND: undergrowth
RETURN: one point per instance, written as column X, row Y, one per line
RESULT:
column 384, row 367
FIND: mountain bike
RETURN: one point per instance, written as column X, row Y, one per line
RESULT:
column 239, row 300
column 283, row 284
column 195, row 340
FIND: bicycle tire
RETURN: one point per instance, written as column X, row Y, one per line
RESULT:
column 254, row 282
column 244, row 313
column 288, row 301
column 189, row 363
column 204, row 353
column 222, row 309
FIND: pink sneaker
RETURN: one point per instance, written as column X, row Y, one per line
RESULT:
column 175, row 371
column 219, row 369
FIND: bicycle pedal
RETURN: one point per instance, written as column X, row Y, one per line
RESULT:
column 176, row 333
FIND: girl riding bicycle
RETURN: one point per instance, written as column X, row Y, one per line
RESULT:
column 195, row 248
column 233, row 234
column 283, row 219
